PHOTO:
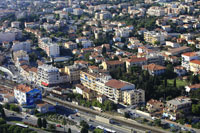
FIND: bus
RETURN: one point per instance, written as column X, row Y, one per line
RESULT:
column 21, row 125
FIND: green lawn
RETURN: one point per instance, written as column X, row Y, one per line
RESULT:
column 178, row 82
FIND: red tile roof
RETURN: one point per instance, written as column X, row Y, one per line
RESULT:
column 116, row 84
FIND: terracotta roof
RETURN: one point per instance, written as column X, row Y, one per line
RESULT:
column 115, row 62
column 137, row 59
column 179, row 67
column 116, row 83
column 196, row 86
column 33, row 69
column 153, row 67
column 153, row 102
column 93, row 67
column 190, row 54
column 195, row 62
column 23, row 88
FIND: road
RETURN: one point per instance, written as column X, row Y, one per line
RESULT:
column 124, row 121
column 32, row 120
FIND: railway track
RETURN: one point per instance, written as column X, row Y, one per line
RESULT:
column 134, row 125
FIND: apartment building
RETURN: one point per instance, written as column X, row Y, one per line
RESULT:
column 103, row 15
column 96, row 82
column 178, row 51
column 70, row 45
column 51, row 49
column 135, row 62
column 49, row 75
column 154, row 37
column 134, row 97
column 154, row 69
column 155, row 58
column 156, row 11
column 25, row 95
column 195, row 66
column 177, row 108
column 73, row 72
column 25, row 46
column 154, row 105
column 116, row 88
column 112, row 65
column 187, row 57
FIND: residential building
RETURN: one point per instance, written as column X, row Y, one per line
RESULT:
column 25, row 46
column 70, row 45
column 25, row 95
column 180, row 70
column 7, row 36
column 134, row 97
column 156, row 11
column 187, row 57
column 113, row 65
column 195, row 66
column 154, row 69
column 192, row 87
column 116, row 88
column 51, row 49
column 95, row 81
column 135, row 62
column 178, row 51
column 73, row 72
column 49, row 75
column 89, row 94
column 177, row 108
column 154, row 37
column 77, row 11
column 44, row 107
column 154, row 105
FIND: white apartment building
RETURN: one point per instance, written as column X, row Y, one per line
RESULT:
column 187, row 57
column 7, row 36
column 48, row 75
column 15, row 24
column 134, row 97
column 77, row 11
column 122, row 32
column 86, row 43
column 156, row 11
column 103, row 15
column 154, row 37
column 25, row 46
column 52, row 49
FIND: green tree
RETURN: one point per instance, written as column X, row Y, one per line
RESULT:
column 51, row 127
column 39, row 122
column 174, row 82
column 84, row 124
column 7, row 105
column 3, row 115
column 196, row 109
column 84, row 130
column 44, row 123
column 165, row 82
column 2, row 121
column 103, row 50
column 126, row 115
column 69, row 130
column 157, row 122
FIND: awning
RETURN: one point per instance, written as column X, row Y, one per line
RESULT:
column 45, row 84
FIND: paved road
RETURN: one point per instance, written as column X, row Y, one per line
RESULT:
column 130, row 123
column 33, row 120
